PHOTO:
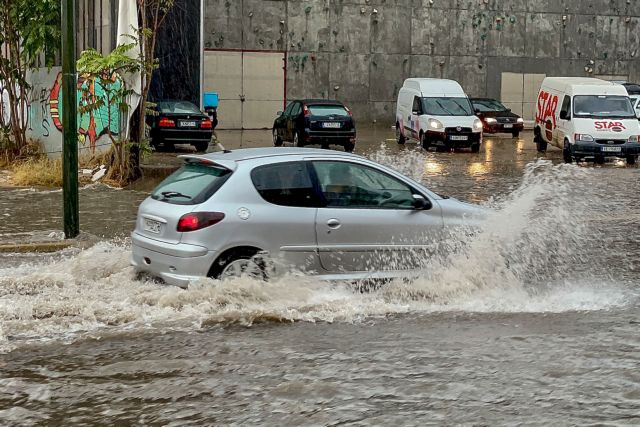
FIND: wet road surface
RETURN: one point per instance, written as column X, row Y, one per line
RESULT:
column 536, row 321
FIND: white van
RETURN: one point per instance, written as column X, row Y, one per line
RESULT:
column 586, row 117
column 437, row 112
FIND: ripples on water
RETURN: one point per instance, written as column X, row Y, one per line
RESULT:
column 537, row 252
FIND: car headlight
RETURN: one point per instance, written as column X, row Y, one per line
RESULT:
column 634, row 138
column 490, row 120
column 583, row 137
column 520, row 120
column 477, row 125
column 434, row 124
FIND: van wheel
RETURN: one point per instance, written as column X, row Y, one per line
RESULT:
column 425, row 141
column 566, row 153
column 400, row 139
column 541, row 144
column 631, row 160
column 475, row 148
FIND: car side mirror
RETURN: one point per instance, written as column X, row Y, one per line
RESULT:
column 508, row 110
column 420, row 202
column 564, row 115
column 279, row 113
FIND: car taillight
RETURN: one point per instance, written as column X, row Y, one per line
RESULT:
column 349, row 111
column 306, row 111
column 166, row 123
column 206, row 124
column 198, row 220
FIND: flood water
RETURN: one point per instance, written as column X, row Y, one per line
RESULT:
column 533, row 320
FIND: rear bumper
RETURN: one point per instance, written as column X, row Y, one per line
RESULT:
column 445, row 139
column 341, row 137
column 594, row 149
column 176, row 264
column 181, row 135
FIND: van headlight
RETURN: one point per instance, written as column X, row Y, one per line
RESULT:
column 434, row 124
column 583, row 137
column 477, row 125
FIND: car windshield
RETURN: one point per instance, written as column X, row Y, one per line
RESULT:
column 602, row 106
column 328, row 110
column 193, row 183
column 178, row 107
column 447, row 106
column 488, row 105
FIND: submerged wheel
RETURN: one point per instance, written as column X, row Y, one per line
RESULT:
column 424, row 141
column 515, row 134
column 240, row 263
column 201, row 147
column 631, row 160
column 566, row 153
column 541, row 144
column 400, row 139
column 349, row 147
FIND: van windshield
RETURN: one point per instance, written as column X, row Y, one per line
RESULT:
column 447, row 106
column 603, row 106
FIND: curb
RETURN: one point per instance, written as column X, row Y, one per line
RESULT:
column 47, row 246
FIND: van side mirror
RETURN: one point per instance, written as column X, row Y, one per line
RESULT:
column 421, row 203
column 564, row 115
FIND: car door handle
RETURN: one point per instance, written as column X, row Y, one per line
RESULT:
column 333, row 223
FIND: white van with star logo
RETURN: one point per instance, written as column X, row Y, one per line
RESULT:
column 586, row 118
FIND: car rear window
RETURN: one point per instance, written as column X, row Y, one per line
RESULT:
column 178, row 107
column 285, row 184
column 328, row 110
column 192, row 184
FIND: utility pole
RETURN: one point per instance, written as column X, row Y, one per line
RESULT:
column 69, row 121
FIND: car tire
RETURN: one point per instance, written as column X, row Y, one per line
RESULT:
column 515, row 134
column 236, row 262
column 277, row 141
column 566, row 153
column 400, row 139
column 631, row 160
column 349, row 147
column 201, row 147
column 541, row 144
column 599, row 160
column 424, row 141
column 297, row 139
column 475, row 148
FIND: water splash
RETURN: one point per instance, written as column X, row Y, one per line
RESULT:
column 528, row 256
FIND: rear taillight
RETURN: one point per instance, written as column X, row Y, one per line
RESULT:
column 349, row 111
column 306, row 111
column 206, row 124
column 166, row 123
column 199, row 220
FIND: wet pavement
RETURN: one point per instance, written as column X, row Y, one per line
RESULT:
column 535, row 322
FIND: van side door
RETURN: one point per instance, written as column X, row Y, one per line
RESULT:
column 563, row 122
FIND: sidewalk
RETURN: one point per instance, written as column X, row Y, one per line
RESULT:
column 43, row 242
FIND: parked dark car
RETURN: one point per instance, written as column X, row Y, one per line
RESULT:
column 179, row 122
column 496, row 118
column 315, row 121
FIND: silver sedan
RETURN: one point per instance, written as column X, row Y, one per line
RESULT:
column 265, row 211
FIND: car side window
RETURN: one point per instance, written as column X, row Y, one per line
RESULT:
column 297, row 108
column 566, row 105
column 355, row 186
column 285, row 184
column 417, row 105
column 287, row 111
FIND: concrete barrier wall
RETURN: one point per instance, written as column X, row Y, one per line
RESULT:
column 360, row 51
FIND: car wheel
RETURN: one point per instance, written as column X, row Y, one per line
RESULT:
column 201, row 147
column 400, row 139
column 599, row 160
column 425, row 141
column 349, row 147
column 541, row 144
column 241, row 263
column 566, row 153
column 296, row 139
column 475, row 148
column 277, row 141
column 631, row 160
column 515, row 134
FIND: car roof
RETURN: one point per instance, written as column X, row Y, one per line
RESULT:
column 321, row 101
column 242, row 154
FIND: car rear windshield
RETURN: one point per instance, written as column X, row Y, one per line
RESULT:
column 447, row 106
column 488, row 105
column 328, row 110
column 602, row 106
column 178, row 107
column 192, row 184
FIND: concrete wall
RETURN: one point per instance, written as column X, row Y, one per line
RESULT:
column 360, row 51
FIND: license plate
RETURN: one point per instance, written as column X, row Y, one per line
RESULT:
column 188, row 124
column 332, row 125
column 458, row 137
column 611, row 149
column 152, row 226
column 508, row 126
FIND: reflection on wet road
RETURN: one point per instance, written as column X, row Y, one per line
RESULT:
column 534, row 320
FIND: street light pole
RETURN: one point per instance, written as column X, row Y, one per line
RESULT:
column 69, row 121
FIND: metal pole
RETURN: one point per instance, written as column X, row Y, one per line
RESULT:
column 69, row 121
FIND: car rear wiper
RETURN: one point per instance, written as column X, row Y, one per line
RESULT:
column 172, row 194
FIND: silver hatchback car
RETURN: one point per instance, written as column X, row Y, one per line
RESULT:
column 268, row 210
